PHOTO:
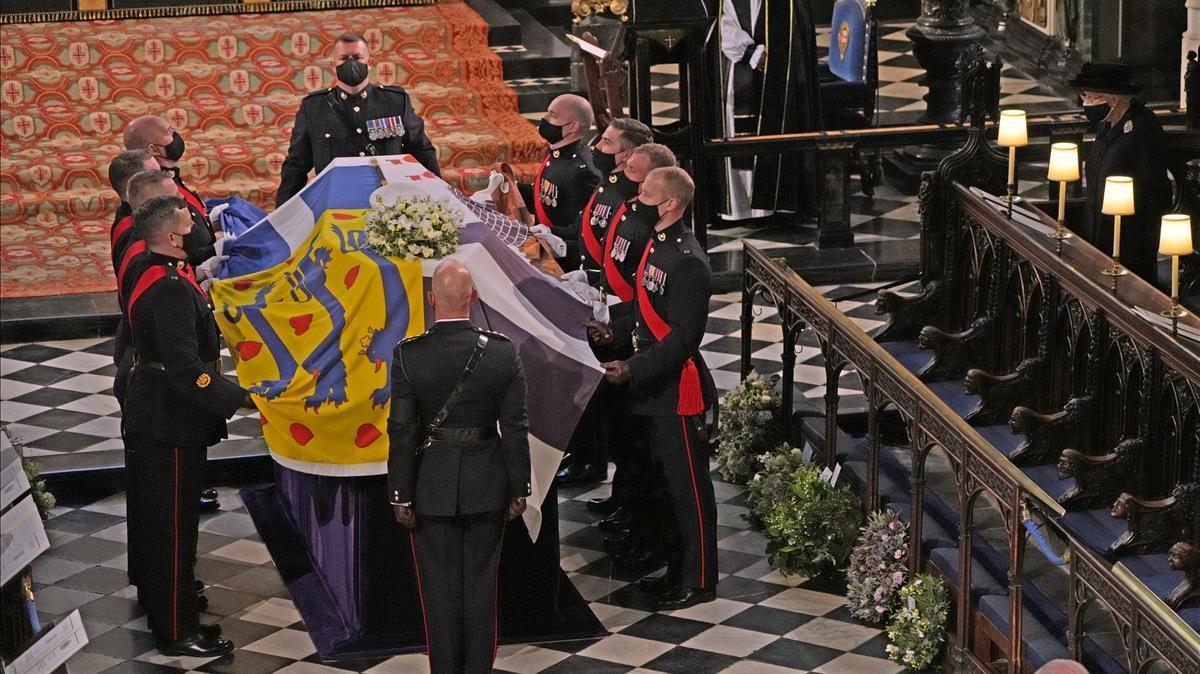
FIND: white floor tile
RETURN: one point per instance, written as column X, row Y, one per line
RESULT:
column 626, row 650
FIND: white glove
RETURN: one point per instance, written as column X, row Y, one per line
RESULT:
column 557, row 245
column 206, row 284
column 484, row 196
column 583, row 291
column 225, row 240
column 215, row 214
column 600, row 312
column 209, row 268
column 577, row 275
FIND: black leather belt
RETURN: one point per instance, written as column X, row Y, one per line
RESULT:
column 215, row 365
column 444, row 434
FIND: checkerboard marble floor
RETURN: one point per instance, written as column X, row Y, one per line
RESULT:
column 56, row 397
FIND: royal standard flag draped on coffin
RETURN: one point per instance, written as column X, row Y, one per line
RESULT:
column 316, row 333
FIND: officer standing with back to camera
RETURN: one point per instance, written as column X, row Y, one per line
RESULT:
column 452, row 479
column 176, row 406
column 352, row 119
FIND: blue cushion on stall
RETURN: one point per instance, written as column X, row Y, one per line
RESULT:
column 1001, row 437
column 1040, row 645
column 982, row 582
column 848, row 40
column 909, row 354
column 1046, row 477
column 954, row 394
column 1094, row 528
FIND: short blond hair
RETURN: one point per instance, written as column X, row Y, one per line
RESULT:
column 660, row 155
column 675, row 183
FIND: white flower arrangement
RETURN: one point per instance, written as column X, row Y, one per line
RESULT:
column 918, row 629
column 413, row 229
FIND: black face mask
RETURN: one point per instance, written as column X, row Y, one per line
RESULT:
column 658, row 214
column 352, row 72
column 551, row 132
column 604, row 161
column 174, row 150
column 1096, row 113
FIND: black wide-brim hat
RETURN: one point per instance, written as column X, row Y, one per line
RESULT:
column 1106, row 78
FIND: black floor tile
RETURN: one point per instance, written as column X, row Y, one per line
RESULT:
column 41, row 375
column 49, row 397
column 578, row 663
column 98, row 579
column 89, row 550
column 122, row 643
column 35, row 353
column 82, row 522
column 243, row 632
column 767, row 620
column 111, row 610
column 672, row 630
column 246, row 662
column 747, row 590
column 794, row 654
column 66, row 441
column 875, row 647
column 681, row 660
column 139, row 667
column 59, row 420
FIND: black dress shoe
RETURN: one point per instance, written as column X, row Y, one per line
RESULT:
column 686, row 598
column 196, row 646
column 619, row 542
column 576, row 475
column 602, row 506
column 618, row 521
column 658, row 586
column 638, row 560
column 209, row 501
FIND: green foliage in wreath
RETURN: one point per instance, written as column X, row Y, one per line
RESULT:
column 918, row 630
column 811, row 529
column 749, row 426
column 878, row 567
column 773, row 482
column 43, row 499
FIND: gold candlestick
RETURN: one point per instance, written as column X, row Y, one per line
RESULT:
column 1064, row 168
column 1118, row 201
column 1175, row 240
column 1012, row 134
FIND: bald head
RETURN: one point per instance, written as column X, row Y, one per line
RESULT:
column 1062, row 667
column 452, row 291
column 153, row 133
column 573, row 113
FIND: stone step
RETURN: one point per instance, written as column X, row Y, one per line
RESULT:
column 539, row 55
column 551, row 13
column 503, row 29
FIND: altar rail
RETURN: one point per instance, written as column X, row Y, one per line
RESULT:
column 1155, row 634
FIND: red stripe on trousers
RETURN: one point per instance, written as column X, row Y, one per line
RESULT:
column 687, row 444
column 175, row 575
column 421, row 597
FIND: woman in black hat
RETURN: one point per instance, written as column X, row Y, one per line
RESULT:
column 1129, row 142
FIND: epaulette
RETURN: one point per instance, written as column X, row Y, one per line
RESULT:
column 414, row 337
column 392, row 88
column 491, row 333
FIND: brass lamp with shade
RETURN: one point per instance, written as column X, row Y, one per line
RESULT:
column 1013, row 133
column 1175, row 240
column 1064, row 168
column 1118, row 201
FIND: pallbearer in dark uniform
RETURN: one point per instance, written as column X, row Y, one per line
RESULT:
column 566, row 177
column 671, row 385
column 452, row 478
column 155, row 134
column 1129, row 142
column 352, row 119
column 120, row 170
column 176, row 406
column 614, row 189
column 587, row 460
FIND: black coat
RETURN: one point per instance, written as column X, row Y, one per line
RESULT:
column 605, row 201
column 322, row 133
column 561, row 189
column 678, row 283
column 175, row 394
column 1135, row 146
column 457, row 478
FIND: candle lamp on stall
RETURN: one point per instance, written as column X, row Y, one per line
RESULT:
column 1118, row 201
column 1064, row 168
column 1012, row 134
column 1175, row 240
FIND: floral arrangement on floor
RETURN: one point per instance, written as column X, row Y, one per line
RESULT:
column 772, row 482
column 749, row 426
column 918, row 629
column 413, row 229
column 878, row 567
column 43, row 499
column 810, row 529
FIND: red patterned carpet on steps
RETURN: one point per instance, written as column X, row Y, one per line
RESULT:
column 231, row 84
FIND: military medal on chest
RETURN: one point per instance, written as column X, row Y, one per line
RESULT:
column 620, row 248
column 654, row 279
column 385, row 127
column 600, row 215
column 548, row 193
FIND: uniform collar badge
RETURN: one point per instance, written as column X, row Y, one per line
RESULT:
column 662, row 236
column 555, row 154
column 612, row 178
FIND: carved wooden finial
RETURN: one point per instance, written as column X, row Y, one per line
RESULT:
column 1185, row 557
column 980, row 82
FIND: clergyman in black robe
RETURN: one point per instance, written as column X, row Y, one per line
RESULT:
column 770, row 69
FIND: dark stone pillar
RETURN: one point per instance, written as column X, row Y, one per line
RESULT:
column 943, row 32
